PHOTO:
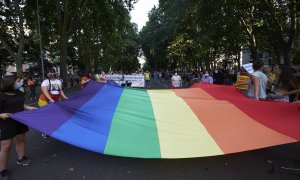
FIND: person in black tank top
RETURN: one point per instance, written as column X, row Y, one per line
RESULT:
column 11, row 101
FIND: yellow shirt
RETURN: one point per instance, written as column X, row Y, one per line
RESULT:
column 147, row 76
column 271, row 77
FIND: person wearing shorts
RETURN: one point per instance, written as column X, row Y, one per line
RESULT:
column 11, row 101
column 52, row 90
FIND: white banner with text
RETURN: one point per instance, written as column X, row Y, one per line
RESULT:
column 136, row 80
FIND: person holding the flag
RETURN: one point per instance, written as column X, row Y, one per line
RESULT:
column 259, row 80
column 12, row 101
column 52, row 91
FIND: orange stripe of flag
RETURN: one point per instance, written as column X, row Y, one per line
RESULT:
column 232, row 129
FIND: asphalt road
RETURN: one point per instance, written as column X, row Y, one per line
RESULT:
column 54, row 160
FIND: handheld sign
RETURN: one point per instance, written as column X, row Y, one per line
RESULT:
column 249, row 68
column 242, row 82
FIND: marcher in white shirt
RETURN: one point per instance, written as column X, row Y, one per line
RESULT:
column 52, row 87
column 102, row 77
column 207, row 78
column 176, row 81
column 52, row 90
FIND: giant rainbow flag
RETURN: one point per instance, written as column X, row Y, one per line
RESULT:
column 205, row 120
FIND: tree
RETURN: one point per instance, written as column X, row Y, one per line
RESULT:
column 280, row 18
column 219, row 28
column 5, row 60
column 12, row 34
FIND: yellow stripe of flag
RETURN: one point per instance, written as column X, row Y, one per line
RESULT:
column 180, row 132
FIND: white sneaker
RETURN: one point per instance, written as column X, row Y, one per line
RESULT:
column 45, row 136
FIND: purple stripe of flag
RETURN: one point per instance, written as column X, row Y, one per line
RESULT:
column 58, row 113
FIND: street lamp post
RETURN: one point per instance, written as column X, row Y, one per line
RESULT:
column 41, row 49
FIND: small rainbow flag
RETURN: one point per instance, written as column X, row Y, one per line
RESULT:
column 205, row 120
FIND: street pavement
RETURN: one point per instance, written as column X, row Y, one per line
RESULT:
column 55, row 160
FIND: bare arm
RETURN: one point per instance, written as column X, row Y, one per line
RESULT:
column 84, row 81
column 4, row 116
column 295, row 91
column 29, row 107
column 255, row 81
column 63, row 94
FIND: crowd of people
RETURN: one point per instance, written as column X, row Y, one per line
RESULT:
column 277, row 83
column 179, row 79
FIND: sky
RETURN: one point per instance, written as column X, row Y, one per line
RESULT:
column 139, row 14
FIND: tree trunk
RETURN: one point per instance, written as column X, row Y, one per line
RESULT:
column 66, row 25
column 238, row 57
column 19, row 58
column 63, row 56
column 285, row 43
column 287, row 55
column 253, row 49
column 1, row 73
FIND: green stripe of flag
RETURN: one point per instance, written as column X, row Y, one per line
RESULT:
column 133, row 130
